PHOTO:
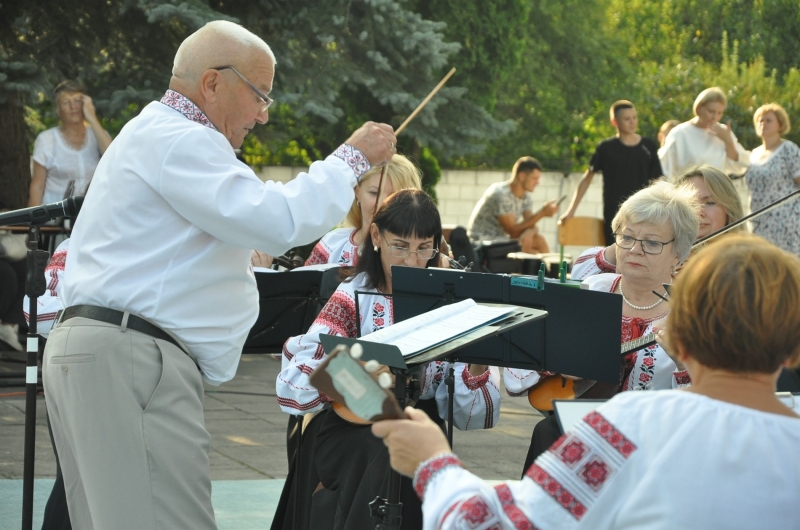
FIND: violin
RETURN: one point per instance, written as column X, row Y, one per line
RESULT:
column 288, row 261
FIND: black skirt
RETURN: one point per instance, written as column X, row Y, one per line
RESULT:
column 348, row 467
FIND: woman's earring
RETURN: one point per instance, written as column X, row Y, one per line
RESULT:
column 358, row 204
column 375, row 248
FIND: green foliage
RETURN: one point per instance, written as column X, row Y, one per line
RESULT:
column 668, row 89
column 431, row 172
column 568, row 63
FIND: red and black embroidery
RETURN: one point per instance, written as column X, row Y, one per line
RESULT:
column 319, row 256
column 185, row 106
column 610, row 434
column 520, row 521
column 353, row 158
column 339, row 315
column 378, row 316
column 556, row 490
column 571, row 453
column 425, row 473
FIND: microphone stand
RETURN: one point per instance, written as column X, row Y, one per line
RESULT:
column 35, row 286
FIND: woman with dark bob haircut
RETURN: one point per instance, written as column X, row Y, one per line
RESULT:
column 344, row 467
column 722, row 453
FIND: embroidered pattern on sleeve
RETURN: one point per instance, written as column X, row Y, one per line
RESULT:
column 184, row 105
column 57, row 263
column 353, row 158
column 319, row 256
column 339, row 314
column 682, row 378
column 602, row 264
column 428, row 469
column 577, row 467
column 521, row 522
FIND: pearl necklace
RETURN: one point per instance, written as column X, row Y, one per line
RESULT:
column 640, row 308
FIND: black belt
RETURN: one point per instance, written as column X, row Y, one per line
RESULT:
column 112, row 316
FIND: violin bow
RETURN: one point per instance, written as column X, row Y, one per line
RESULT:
column 408, row 120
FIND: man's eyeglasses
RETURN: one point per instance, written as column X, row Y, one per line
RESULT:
column 268, row 101
column 404, row 252
column 648, row 246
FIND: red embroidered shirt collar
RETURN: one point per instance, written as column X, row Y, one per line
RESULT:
column 185, row 106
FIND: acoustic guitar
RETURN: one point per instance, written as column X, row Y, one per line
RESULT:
column 357, row 396
column 542, row 394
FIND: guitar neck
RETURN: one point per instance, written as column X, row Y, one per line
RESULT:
column 638, row 344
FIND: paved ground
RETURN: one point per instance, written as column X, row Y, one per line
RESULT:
column 248, row 439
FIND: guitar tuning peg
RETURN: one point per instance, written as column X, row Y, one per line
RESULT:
column 385, row 380
column 356, row 351
column 372, row 366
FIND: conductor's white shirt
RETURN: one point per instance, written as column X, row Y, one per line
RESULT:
column 169, row 224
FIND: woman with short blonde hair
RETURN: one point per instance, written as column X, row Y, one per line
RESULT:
column 775, row 173
column 704, row 140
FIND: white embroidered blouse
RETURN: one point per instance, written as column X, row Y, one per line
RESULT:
column 477, row 398
column 650, row 368
column 338, row 247
column 655, row 460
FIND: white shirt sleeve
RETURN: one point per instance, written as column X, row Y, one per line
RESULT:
column 49, row 304
column 304, row 353
column 591, row 262
column 229, row 202
column 476, row 399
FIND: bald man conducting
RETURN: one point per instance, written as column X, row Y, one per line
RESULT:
column 158, row 290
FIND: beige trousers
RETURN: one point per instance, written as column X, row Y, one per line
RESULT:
column 127, row 417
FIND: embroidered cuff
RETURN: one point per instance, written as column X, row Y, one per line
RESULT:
column 427, row 469
column 353, row 158
column 602, row 263
column 474, row 382
column 682, row 377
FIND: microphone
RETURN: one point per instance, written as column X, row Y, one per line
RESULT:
column 39, row 215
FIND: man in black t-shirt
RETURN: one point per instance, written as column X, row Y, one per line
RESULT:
column 628, row 163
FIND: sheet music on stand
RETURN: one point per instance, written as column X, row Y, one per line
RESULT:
column 496, row 318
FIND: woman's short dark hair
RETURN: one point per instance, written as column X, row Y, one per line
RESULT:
column 405, row 213
column 736, row 306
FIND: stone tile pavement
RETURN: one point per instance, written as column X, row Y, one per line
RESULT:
column 248, row 455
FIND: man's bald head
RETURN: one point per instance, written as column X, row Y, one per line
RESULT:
column 218, row 43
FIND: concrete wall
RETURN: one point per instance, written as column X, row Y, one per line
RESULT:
column 459, row 190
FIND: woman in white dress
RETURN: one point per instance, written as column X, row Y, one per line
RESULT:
column 340, row 246
column 773, row 174
column 65, row 157
column 703, row 140
column 719, row 454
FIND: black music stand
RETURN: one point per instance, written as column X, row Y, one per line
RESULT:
column 580, row 336
column 288, row 304
column 390, row 510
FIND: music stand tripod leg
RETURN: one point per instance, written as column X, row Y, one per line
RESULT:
column 450, row 381
column 390, row 511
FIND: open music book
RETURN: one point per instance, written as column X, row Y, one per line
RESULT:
column 441, row 325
